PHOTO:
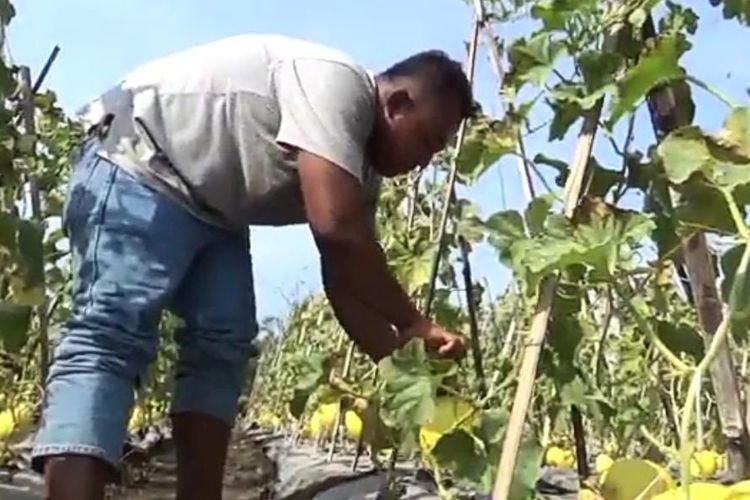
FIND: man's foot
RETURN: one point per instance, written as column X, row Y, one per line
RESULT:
column 75, row 477
column 201, row 442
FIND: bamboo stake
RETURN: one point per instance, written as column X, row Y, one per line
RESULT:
column 451, row 183
column 27, row 117
column 471, row 307
column 527, row 373
column 45, row 68
column 665, row 117
column 340, row 414
column 450, row 195
column 523, row 166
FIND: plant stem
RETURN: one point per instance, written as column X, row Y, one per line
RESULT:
column 737, row 218
column 712, row 90
column 692, row 394
column 655, row 340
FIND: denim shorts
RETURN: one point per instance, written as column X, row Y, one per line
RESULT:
column 136, row 253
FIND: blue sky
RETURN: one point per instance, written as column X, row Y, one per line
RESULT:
column 101, row 40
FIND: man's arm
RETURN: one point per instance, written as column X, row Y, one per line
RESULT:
column 370, row 332
column 351, row 256
column 352, row 260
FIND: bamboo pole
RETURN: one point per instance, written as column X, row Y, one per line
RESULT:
column 450, row 190
column 340, row 413
column 450, row 195
column 471, row 307
column 533, row 349
column 32, row 187
column 664, row 109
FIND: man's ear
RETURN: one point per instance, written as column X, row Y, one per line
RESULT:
column 399, row 101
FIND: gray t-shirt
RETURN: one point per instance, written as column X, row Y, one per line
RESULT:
column 207, row 126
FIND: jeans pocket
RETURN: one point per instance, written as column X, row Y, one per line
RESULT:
column 83, row 169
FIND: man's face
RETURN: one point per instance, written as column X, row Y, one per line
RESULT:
column 417, row 126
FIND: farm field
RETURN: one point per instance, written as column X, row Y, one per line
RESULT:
column 613, row 366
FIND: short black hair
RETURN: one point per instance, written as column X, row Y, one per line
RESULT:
column 443, row 75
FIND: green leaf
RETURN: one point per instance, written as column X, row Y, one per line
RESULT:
column 491, row 426
column 486, row 142
column 681, row 338
column 604, row 178
column 15, row 321
column 735, row 9
column 736, row 130
column 683, row 153
column 573, row 392
column 657, row 66
column 309, row 372
column 555, row 14
column 409, row 386
column 505, row 228
column 566, row 113
column 678, row 19
column 462, row 453
column 527, row 470
column 537, row 212
column 702, row 207
column 8, row 233
column 31, row 250
column 532, row 60
column 599, row 69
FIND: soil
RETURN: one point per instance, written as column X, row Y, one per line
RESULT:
column 249, row 473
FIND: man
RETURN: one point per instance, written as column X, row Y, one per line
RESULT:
column 185, row 154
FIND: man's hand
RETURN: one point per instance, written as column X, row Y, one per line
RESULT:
column 436, row 339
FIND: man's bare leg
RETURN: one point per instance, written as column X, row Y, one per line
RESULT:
column 75, row 477
column 201, row 442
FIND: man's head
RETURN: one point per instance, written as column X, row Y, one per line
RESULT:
column 421, row 102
